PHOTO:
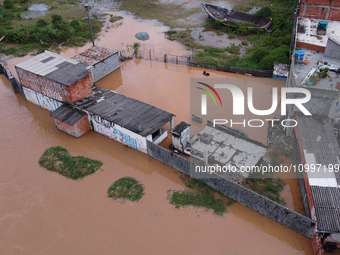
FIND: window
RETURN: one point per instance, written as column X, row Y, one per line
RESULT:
column 323, row 9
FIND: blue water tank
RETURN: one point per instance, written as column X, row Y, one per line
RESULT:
column 323, row 24
column 299, row 54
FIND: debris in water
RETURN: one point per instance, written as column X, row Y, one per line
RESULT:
column 142, row 36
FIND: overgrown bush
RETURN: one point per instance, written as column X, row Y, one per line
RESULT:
column 265, row 11
column 8, row 4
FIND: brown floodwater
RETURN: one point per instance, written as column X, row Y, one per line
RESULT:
column 42, row 212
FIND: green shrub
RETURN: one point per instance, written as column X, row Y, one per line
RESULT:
column 8, row 4
column 58, row 160
column 126, row 187
column 265, row 11
column 233, row 49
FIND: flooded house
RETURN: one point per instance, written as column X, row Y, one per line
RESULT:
column 125, row 119
column 103, row 61
column 49, row 79
column 181, row 136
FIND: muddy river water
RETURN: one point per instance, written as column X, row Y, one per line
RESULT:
column 42, row 212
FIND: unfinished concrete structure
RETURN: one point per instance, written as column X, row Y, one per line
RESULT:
column 56, row 77
column 221, row 146
column 103, row 61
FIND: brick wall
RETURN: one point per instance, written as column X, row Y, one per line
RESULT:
column 320, row 9
column 77, row 130
column 79, row 89
column 310, row 46
column 335, row 3
column 334, row 14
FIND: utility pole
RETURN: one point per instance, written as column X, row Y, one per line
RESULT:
column 88, row 7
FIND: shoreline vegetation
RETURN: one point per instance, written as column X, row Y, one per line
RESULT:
column 198, row 194
column 64, row 24
column 126, row 188
column 57, row 159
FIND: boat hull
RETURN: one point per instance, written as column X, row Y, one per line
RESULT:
column 231, row 17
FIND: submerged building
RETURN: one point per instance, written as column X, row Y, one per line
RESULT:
column 103, row 61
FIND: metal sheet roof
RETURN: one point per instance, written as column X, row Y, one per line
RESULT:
column 55, row 67
column 320, row 146
column 124, row 111
column 318, row 138
column 327, row 208
column 68, row 114
column 94, row 55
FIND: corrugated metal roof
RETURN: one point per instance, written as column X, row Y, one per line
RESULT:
column 55, row 67
column 67, row 114
column 327, row 208
column 320, row 146
column 124, row 111
column 318, row 138
column 94, row 55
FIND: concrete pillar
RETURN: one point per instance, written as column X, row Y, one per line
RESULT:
column 172, row 124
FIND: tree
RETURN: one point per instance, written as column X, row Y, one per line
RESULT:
column 265, row 11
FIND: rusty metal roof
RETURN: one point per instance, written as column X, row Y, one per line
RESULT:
column 94, row 55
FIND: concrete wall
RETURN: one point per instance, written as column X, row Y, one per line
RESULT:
column 41, row 100
column 332, row 49
column 77, row 130
column 118, row 133
column 249, row 198
column 105, row 67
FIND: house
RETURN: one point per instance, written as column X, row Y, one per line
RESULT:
column 54, row 79
column 228, row 149
column 103, row 61
column 72, row 121
column 124, row 119
column 318, row 148
column 181, row 136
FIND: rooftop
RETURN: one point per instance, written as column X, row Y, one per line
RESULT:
column 67, row 114
column 320, row 146
column 55, row 67
column 315, row 60
column 307, row 31
column 124, row 111
column 226, row 149
column 94, row 55
column 180, row 128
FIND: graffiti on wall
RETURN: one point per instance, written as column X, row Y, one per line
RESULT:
column 109, row 129
column 5, row 71
column 51, row 89
column 41, row 100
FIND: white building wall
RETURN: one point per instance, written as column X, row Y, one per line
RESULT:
column 41, row 100
column 118, row 133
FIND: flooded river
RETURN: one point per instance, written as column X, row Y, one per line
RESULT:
column 42, row 212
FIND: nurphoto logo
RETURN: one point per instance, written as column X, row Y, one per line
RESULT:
column 238, row 104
